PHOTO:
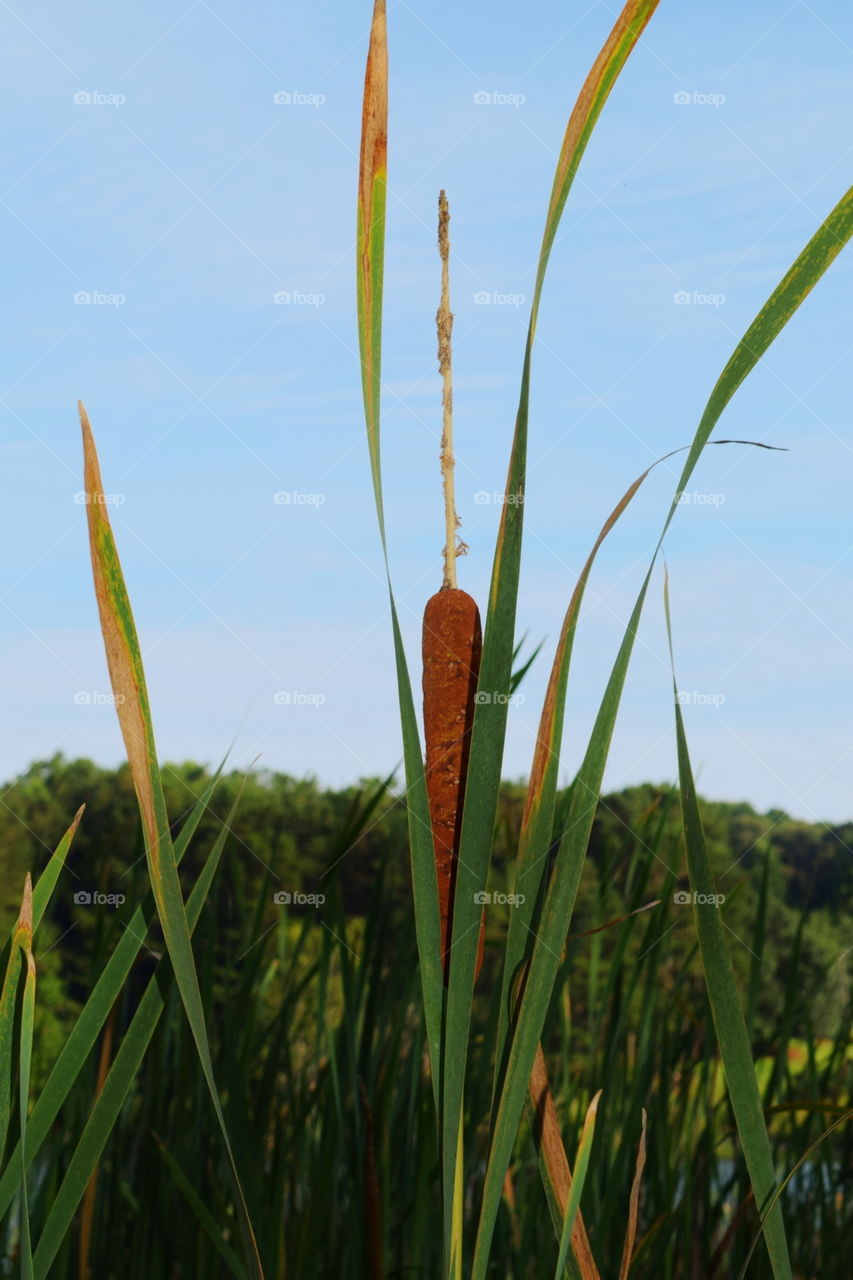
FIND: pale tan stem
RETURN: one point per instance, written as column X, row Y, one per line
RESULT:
column 444, row 323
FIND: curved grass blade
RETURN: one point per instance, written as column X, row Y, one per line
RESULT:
column 205, row 1218
column 39, row 900
column 489, row 728
column 554, row 1166
column 24, row 935
column 8, row 1000
column 81, row 1039
column 518, row 673
column 370, row 251
column 723, row 995
column 634, row 1206
column 46, row 883
column 537, row 823
column 552, row 926
column 122, row 1073
column 578, row 1180
column 21, row 940
column 842, row 1119
column 124, row 660
column 87, row 1212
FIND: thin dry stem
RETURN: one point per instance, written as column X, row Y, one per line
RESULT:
column 453, row 546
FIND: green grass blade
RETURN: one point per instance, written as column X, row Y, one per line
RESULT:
column 554, row 1170
column 634, row 1206
column 818, row 255
column 370, row 251
column 537, row 823
column 8, row 1000
column 90, row 1021
column 120, row 1078
column 489, row 728
column 46, row 883
column 726, row 1010
column 28, row 1008
column 578, row 1180
column 21, row 940
column 40, row 898
column 771, row 1206
column 211, row 1227
column 127, row 676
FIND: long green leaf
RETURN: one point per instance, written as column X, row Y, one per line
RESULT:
column 578, row 1180
column 124, row 659
column 121, row 1076
column 370, row 253
column 46, row 883
column 205, row 1218
column 8, row 1000
column 552, row 926
column 489, row 728
column 770, row 1207
column 537, row 823
column 87, row 1027
column 726, row 1010
column 28, row 1009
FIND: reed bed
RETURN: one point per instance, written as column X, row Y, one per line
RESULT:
column 278, row 1099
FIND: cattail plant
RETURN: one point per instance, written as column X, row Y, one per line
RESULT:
column 443, row 1136
column 447, row 905
column 452, row 644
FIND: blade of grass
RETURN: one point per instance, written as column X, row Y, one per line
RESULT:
column 554, row 1164
column 46, row 883
column 537, row 823
column 120, row 1078
column 81, row 1039
column 8, row 1000
column 124, row 660
column 203, row 1215
column 489, row 728
column 771, row 1206
column 24, row 934
column 634, row 1206
column 726, row 1010
column 87, row 1213
column 552, row 926
column 578, row 1180
column 370, row 251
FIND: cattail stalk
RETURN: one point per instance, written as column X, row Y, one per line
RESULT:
column 452, row 644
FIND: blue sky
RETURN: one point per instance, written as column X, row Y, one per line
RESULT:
column 149, row 167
